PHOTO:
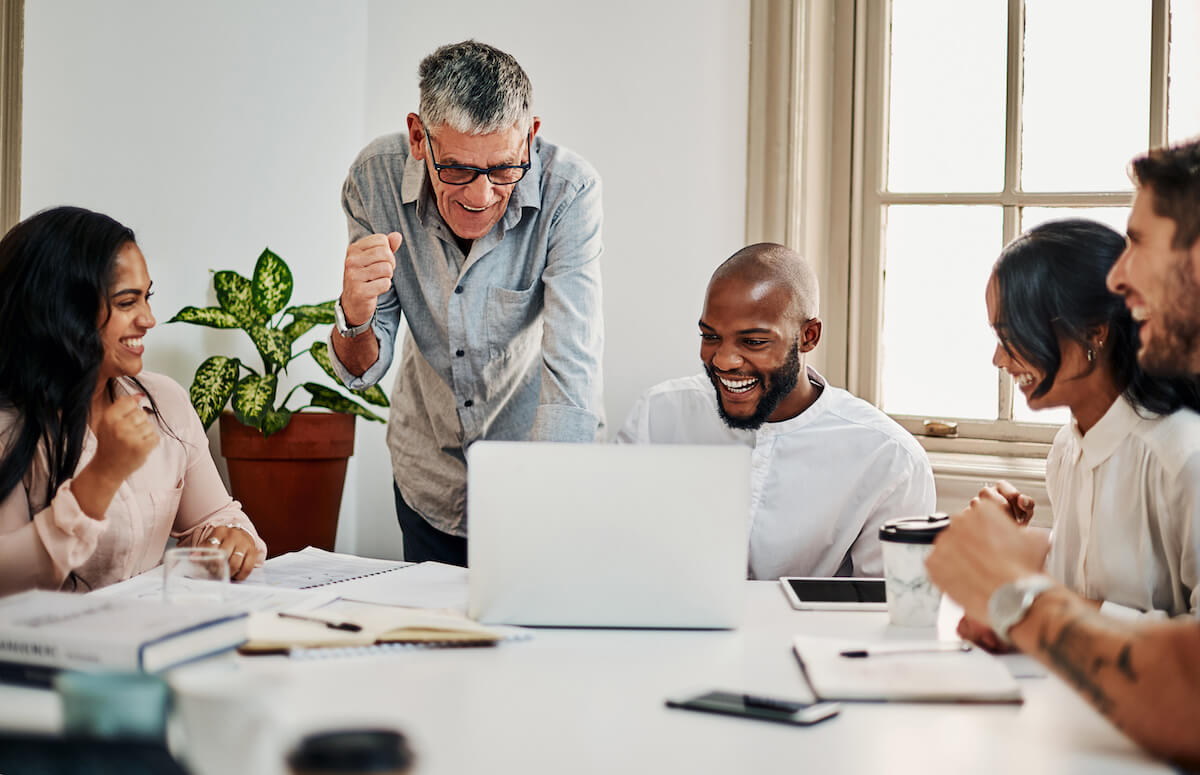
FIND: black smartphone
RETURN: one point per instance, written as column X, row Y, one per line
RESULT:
column 758, row 707
column 835, row 594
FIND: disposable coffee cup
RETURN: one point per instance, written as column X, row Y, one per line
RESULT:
column 912, row 599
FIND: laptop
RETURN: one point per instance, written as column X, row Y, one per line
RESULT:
column 607, row 535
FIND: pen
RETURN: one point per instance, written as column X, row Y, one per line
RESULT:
column 956, row 647
column 347, row 626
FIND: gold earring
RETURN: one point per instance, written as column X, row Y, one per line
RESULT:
column 1091, row 355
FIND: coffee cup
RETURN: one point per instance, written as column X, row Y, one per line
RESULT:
column 912, row 599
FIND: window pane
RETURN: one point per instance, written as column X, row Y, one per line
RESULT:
column 1086, row 100
column 1113, row 217
column 936, row 343
column 1183, row 98
column 946, row 127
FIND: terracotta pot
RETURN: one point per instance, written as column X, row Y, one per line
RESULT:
column 290, row 484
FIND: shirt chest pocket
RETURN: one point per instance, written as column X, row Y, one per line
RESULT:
column 164, row 503
column 512, row 320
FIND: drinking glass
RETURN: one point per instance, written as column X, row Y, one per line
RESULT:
column 195, row 575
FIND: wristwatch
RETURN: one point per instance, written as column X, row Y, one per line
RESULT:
column 1010, row 603
column 343, row 328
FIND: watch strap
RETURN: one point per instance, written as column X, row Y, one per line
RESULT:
column 1010, row 603
column 345, row 329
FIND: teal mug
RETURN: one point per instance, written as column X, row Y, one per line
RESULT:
column 113, row 705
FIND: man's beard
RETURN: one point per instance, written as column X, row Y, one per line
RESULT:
column 1176, row 350
column 776, row 386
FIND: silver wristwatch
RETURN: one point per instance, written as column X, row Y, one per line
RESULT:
column 1010, row 603
column 348, row 331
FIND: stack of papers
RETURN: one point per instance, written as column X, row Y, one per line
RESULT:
column 892, row 674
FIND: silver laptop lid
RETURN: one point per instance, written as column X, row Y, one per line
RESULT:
column 607, row 535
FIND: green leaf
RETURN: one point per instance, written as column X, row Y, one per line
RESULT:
column 253, row 397
column 237, row 298
column 275, row 421
column 213, row 317
column 372, row 395
column 212, row 386
column 298, row 328
column 273, row 345
column 331, row 399
column 316, row 313
column 272, row 283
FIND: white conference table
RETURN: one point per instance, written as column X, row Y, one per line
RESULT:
column 591, row 701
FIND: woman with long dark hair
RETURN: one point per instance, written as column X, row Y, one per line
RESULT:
column 100, row 461
column 1124, row 475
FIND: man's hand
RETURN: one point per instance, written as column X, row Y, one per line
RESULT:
column 981, row 635
column 982, row 549
column 370, row 263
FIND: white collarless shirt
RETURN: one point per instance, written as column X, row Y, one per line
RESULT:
column 822, row 482
column 1126, row 499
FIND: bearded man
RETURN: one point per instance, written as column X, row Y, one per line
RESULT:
column 827, row 468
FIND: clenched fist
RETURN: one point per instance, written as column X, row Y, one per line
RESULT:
column 125, row 437
column 370, row 263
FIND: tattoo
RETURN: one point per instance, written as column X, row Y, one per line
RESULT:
column 1125, row 662
column 1072, row 652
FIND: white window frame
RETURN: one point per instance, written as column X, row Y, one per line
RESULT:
column 817, row 160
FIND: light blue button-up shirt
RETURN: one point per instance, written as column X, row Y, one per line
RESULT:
column 503, row 343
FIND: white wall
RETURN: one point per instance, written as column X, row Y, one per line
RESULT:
column 215, row 129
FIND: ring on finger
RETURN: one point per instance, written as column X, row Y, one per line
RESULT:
column 235, row 554
column 215, row 541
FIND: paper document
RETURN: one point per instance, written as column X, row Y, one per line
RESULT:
column 427, row 585
column 311, row 567
column 244, row 595
column 903, row 676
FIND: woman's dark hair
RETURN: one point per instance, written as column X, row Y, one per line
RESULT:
column 1050, row 283
column 55, row 271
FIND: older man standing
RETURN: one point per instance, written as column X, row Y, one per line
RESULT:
column 1145, row 676
column 487, row 239
column 828, row 469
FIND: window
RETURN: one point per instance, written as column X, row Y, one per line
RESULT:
column 979, row 120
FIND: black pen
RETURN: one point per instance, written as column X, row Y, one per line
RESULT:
column 347, row 626
column 886, row 650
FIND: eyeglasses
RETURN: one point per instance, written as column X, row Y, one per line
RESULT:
column 462, row 174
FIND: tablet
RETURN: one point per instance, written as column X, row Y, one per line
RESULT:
column 835, row 594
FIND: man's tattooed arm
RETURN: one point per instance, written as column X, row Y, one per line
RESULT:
column 1143, row 676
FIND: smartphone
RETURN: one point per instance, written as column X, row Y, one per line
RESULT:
column 758, row 707
column 841, row 593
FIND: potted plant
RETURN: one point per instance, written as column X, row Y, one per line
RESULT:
column 286, row 466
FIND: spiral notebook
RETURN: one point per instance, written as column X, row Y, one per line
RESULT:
column 312, row 567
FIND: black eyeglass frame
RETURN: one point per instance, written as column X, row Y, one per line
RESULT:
column 479, row 170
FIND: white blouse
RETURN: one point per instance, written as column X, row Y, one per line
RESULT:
column 1126, row 501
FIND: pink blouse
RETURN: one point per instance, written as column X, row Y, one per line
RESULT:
column 177, row 492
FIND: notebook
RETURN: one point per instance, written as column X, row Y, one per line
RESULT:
column 607, row 535
column 42, row 632
column 349, row 623
column 902, row 676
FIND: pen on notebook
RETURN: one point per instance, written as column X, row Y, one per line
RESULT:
column 955, row 647
column 347, row 626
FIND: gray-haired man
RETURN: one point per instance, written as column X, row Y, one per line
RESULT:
column 487, row 238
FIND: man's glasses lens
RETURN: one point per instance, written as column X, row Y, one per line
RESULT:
column 501, row 176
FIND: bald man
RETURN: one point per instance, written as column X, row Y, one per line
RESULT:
column 827, row 468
